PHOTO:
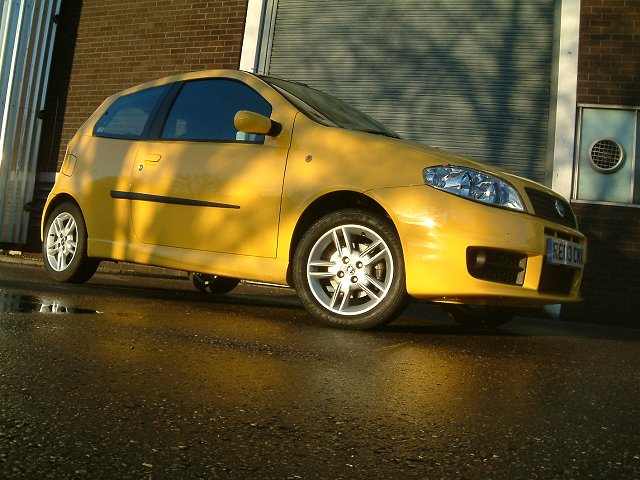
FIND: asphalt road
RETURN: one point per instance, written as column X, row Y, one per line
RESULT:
column 146, row 378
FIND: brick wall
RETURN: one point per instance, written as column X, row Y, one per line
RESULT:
column 609, row 74
column 121, row 43
column 609, row 53
column 611, row 286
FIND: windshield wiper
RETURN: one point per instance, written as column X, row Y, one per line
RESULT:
column 380, row 132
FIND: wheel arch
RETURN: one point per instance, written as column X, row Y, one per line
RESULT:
column 52, row 205
column 328, row 203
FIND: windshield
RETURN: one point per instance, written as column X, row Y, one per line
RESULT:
column 326, row 109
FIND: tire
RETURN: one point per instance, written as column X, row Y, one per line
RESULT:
column 213, row 284
column 348, row 270
column 478, row 316
column 64, row 248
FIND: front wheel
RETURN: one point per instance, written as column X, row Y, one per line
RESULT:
column 64, row 248
column 348, row 270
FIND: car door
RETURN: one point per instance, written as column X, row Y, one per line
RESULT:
column 204, row 185
column 105, row 156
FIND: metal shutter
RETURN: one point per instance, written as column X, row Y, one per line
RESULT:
column 27, row 31
column 471, row 77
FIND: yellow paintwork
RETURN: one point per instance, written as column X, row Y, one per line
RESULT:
column 273, row 184
column 251, row 122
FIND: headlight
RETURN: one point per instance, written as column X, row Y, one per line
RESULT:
column 472, row 184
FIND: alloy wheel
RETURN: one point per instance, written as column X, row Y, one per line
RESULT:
column 350, row 269
column 61, row 242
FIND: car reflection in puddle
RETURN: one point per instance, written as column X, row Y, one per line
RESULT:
column 18, row 303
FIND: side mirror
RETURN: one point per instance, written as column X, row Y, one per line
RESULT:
column 250, row 122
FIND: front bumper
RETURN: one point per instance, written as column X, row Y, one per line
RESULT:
column 441, row 233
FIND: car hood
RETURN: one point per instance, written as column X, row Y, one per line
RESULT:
column 353, row 160
column 437, row 156
column 411, row 155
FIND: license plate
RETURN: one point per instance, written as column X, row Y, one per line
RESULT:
column 562, row 252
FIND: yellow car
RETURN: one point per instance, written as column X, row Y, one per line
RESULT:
column 241, row 176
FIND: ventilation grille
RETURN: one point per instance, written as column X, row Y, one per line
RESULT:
column 606, row 156
column 551, row 207
column 494, row 265
column 556, row 279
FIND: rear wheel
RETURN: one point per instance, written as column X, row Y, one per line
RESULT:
column 64, row 248
column 480, row 316
column 348, row 270
column 213, row 284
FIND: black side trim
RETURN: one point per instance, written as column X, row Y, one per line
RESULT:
column 144, row 197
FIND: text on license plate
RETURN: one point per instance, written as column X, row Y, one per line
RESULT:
column 562, row 252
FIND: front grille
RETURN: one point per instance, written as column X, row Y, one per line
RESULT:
column 496, row 265
column 556, row 279
column 549, row 207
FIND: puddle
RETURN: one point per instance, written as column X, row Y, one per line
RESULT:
column 18, row 303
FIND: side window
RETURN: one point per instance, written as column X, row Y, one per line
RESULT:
column 204, row 111
column 127, row 117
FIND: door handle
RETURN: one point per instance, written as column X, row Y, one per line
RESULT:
column 151, row 158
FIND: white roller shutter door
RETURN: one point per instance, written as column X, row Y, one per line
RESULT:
column 471, row 77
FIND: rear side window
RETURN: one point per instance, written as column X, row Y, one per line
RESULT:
column 204, row 111
column 128, row 116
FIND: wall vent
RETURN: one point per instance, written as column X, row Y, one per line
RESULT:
column 606, row 156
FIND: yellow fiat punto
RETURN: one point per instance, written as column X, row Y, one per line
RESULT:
column 240, row 176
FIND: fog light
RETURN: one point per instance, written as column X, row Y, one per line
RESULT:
column 476, row 258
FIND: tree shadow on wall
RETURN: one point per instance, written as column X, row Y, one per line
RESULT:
column 417, row 89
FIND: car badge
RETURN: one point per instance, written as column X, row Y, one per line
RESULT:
column 559, row 208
